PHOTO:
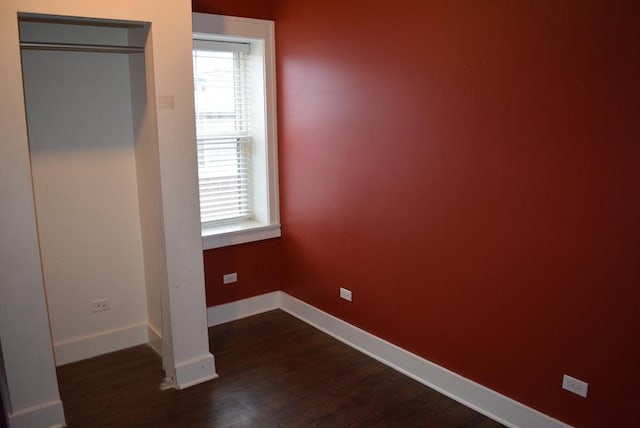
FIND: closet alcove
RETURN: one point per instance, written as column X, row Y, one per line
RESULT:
column 99, row 195
column 95, row 173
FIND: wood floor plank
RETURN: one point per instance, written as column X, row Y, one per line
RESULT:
column 275, row 371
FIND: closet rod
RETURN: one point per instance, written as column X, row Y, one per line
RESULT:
column 76, row 47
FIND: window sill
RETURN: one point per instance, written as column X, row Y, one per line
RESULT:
column 237, row 233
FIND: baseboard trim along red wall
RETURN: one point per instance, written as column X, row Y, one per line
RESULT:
column 478, row 397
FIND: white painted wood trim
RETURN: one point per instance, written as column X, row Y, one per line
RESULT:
column 251, row 231
column 102, row 343
column 155, row 339
column 478, row 397
column 243, row 308
column 44, row 415
column 195, row 371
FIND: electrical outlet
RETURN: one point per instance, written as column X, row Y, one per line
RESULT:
column 101, row 305
column 230, row 278
column 574, row 385
column 345, row 294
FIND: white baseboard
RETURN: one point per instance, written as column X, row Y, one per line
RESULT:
column 480, row 398
column 45, row 415
column 195, row 371
column 243, row 308
column 101, row 343
column 155, row 339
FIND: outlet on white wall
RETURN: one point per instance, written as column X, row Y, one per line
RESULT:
column 574, row 385
column 101, row 305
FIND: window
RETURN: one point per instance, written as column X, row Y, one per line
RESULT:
column 223, row 130
column 234, row 91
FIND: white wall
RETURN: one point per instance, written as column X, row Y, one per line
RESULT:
column 24, row 328
column 84, row 177
column 149, row 190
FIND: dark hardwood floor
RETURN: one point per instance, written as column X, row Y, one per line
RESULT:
column 275, row 371
column 3, row 415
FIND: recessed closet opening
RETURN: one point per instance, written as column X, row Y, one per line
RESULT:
column 95, row 170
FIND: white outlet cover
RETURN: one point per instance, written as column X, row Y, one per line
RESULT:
column 101, row 305
column 345, row 294
column 574, row 385
column 230, row 278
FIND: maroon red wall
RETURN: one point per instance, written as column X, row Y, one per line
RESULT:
column 258, row 266
column 261, row 9
column 471, row 171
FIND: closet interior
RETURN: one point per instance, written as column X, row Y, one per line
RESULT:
column 95, row 171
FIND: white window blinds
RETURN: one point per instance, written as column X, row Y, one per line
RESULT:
column 223, row 130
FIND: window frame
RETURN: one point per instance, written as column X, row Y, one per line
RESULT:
column 260, row 35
